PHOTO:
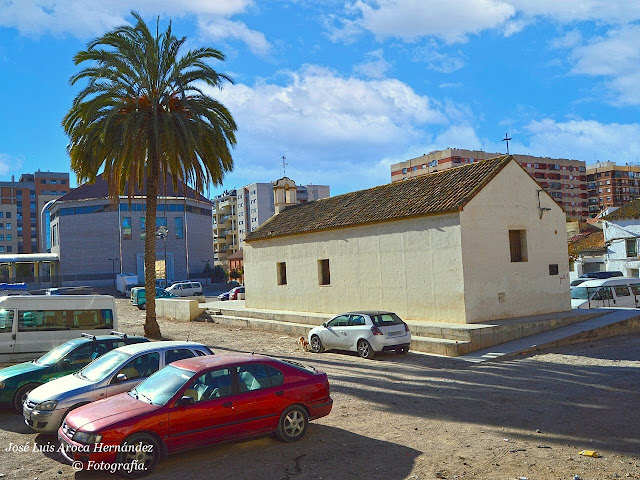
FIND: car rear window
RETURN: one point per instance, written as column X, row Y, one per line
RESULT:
column 386, row 319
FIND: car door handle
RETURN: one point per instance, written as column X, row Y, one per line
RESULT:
column 279, row 393
column 227, row 404
column 344, row 333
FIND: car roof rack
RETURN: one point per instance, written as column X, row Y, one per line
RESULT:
column 88, row 335
column 119, row 334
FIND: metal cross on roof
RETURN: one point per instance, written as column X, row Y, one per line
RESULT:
column 506, row 139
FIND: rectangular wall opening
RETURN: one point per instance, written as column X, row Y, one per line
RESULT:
column 282, row 273
column 518, row 245
column 324, row 274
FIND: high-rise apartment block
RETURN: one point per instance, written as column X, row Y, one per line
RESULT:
column 611, row 185
column 565, row 180
column 20, row 205
column 240, row 211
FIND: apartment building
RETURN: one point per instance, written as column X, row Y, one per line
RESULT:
column 240, row 211
column 565, row 180
column 21, row 203
column 611, row 185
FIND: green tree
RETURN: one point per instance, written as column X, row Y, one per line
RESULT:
column 142, row 117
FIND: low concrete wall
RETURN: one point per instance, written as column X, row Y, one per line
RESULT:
column 178, row 308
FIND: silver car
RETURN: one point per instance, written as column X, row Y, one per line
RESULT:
column 115, row 372
column 365, row 332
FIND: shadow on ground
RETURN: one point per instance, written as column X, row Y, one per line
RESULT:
column 325, row 452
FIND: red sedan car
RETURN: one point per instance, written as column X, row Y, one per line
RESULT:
column 195, row 402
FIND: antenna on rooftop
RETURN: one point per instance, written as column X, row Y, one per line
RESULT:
column 284, row 166
column 506, row 139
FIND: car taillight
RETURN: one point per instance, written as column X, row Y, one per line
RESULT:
column 376, row 331
column 406, row 327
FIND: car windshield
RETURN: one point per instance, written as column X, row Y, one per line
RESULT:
column 579, row 293
column 103, row 366
column 386, row 319
column 53, row 356
column 160, row 387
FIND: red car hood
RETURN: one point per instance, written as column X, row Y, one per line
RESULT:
column 97, row 415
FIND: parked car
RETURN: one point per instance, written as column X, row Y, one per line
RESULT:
column 611, row 292
column 224, row 296
column 18, row 380
column 185, row 289
column 115, row 372
column 196, row 402
column 140, row 299
column 237, row 293
column 362, row 332
column 31, row 325
column 595, row 275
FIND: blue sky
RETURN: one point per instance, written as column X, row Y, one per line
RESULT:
column 343, row 89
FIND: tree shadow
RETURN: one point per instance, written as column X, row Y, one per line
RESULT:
column 325, row 452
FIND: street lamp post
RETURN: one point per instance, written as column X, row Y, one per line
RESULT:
column 113, row 268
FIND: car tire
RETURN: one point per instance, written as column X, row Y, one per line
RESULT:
column 365, row 350
column 21, row 395
column 293, row 424
column 316, row 344
column 402, row 351
column 142, row 307
column 149, row 459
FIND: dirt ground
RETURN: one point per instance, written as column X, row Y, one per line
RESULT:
column 412, row 417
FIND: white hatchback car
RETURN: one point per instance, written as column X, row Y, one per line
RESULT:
column 362, row 332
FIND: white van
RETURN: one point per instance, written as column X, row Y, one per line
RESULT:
column 612, row 292
column 34, row 324
column 185, row 289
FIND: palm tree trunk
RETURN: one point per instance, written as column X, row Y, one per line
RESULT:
column 151, row 327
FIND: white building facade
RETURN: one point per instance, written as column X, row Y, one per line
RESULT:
column 469, row 244
column 621, row 235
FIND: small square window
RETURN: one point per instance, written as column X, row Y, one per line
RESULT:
column 632, row 247
column 282, row 273
column 553, row 269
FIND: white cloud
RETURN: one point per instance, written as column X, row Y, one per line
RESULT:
column 455, row 20
column 375, row 66
column 451, row 20
column 436, row 60
column 616, row 57
column 458, row 136
column 332, row 129
column 585, row 140
column 568, row 11
column 91, row 17
column 570, row 39
column 9, row 164
column 221, row 29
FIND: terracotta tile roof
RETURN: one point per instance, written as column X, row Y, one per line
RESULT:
column 434, row 194
column 235, row 256
column 589, row 241
column 100, row 189
column 628, row 211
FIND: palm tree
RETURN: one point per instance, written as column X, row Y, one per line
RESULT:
column 142, row 117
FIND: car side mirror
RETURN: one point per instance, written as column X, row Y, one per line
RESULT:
column 324, row 324
column 185, row 401
column 121, row 377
